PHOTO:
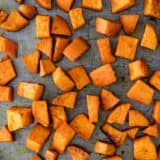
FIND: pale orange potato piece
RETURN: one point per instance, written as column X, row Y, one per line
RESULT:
column 131, row 132
column 6, row 94
column 51, row 155
column 155, row 80
column 112, row 158
column 64, row 5
column 156, row 112
column 141, row 92
column 14, row 22
column 19, row 117
column 3, row 16
column 96, row 5
column 46, row 4
column 37, row 138
column 31, row 61
column 35, row 157
column 6, row 135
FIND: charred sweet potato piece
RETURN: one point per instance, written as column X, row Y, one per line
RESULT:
column 112, row 158
column 6, row 135
column 119, row 114
column 36, row 157
column 96, row 5
column 131, row 132
column 6, row 94
column 156, row 112
column 64, row 5
column 37, row 137
column 14, row 22
column 84, row 131
column 145, row 149
column 46, row 4
column 62, row 137
column 141, row 92
column 155, row 79
column 19, row 117
column 3, row 16
column 51, row 155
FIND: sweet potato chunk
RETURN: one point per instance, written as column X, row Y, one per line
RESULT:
column 31, row 91
column 137, row 119
column 126, row 47
column 19, row 117
column 112, row 158
column 120, row 5
column 62, row 137
column 131, row 133
column 36, row 157
column 104, row 148
column 3, row 16
column 108, row 99
column 62, row 81
column 14, row 22
column 60, row 26
column 96, row 5
column 43, row 26
column 84, row 131
column 76, row 49
column 46, row 4
column 155, row 79
column 6, row 94
column 149, row 39
column 117, row 136
column 19, row 1
column 156, row 112
column 77, row 153
column 37, row 137
column 6, row 135
column 138, row 69
column 79, row 76
column 103, row 76
column 119, row 114
column 66, row 100
column 141, row 92
column 51, row 155
column 145, row 149
column 31, row 61
column 64, row 5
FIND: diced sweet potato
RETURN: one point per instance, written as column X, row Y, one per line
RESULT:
column 155, row 79
column 112, row 158
column 145, row 149
column 76, row 49
column 84, row 131
column 119, row 114
column 37, row 137
column 104, row 148
column 62, row 137
column 43, row 26
column 126, row 47
column 77, row 153
column 138, row 69
column 96, row 5
column 40, row 112
column 31, row 91
column 66, row 100
column 104, row 47
column 46, row 4
column 103, row 76
column 6, row 94
column 36, row 157
column 64, row 5
column 117, row 136
column 120, row 5
column 31, row 61
column 19, row 117
column 60, row 26
column 156, row 112
column 108, row 99
column 137, row 119
column 19, row 1
column 93, row 104
column 79, row 76
column 62, row 81
column 149, row 39
column 141, row 92
column 51, row 155
column 131, row 133
column 6, row 135
column 3, row 16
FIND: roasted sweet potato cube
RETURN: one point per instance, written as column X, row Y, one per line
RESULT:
column 36, row 157
column 155, row 79
column 6, row 94
column 84, row 131
column 138, row 69
column 76, row 49
column 64, row 5
column 108, row 99
column 66, row 100
column 104, row 148
column 6, row 135
column 31, row 91
column 137, row 119
column 117, row 136
column 93, row 104
column 40, row 112
column 37, row 137
column 60, row 26
column 119, row 114
column 96, row 5
column 62, row 81
column 112, row 158
column 19, row 117
column 3, row 16
column 120, row 5
column 46, row 4
column 62, row 137
column 141, row 92
column 131, row 132
column 77, row 153
column 126, row 47
column 31, row 61
column 51, row 155
column 19, row 1
column 156, row 112
column 149, row 39
column 79, row 76
column 43, row 26
column 145, row 149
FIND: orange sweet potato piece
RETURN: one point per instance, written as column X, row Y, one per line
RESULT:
column 112, row 158
column 76, row 49
column 96, row 5
column 46, row 4
column 155, row 79
column 51, row 155
column 19, row 1
column 6, row 94
column 103, row 76
column 84, row 131
column 156, row 112
column 3, row 16
column 141, row 92
column 37, row 137
column 36, row 157
column 131, row 132
column 64, row 5
column 6, row 135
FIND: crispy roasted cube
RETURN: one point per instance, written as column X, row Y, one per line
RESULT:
column 46, row 4
column 36, row 157
column 156, row 112
column 3, row 16
column 6, row 94
column 131, row 132
column 64, row 5
column 155, row 79
column 19, row 1
column 96, row 5
column 6, row 135
column 51, row 155
column 112, row 158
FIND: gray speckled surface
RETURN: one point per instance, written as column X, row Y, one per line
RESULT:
column 26, row 40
